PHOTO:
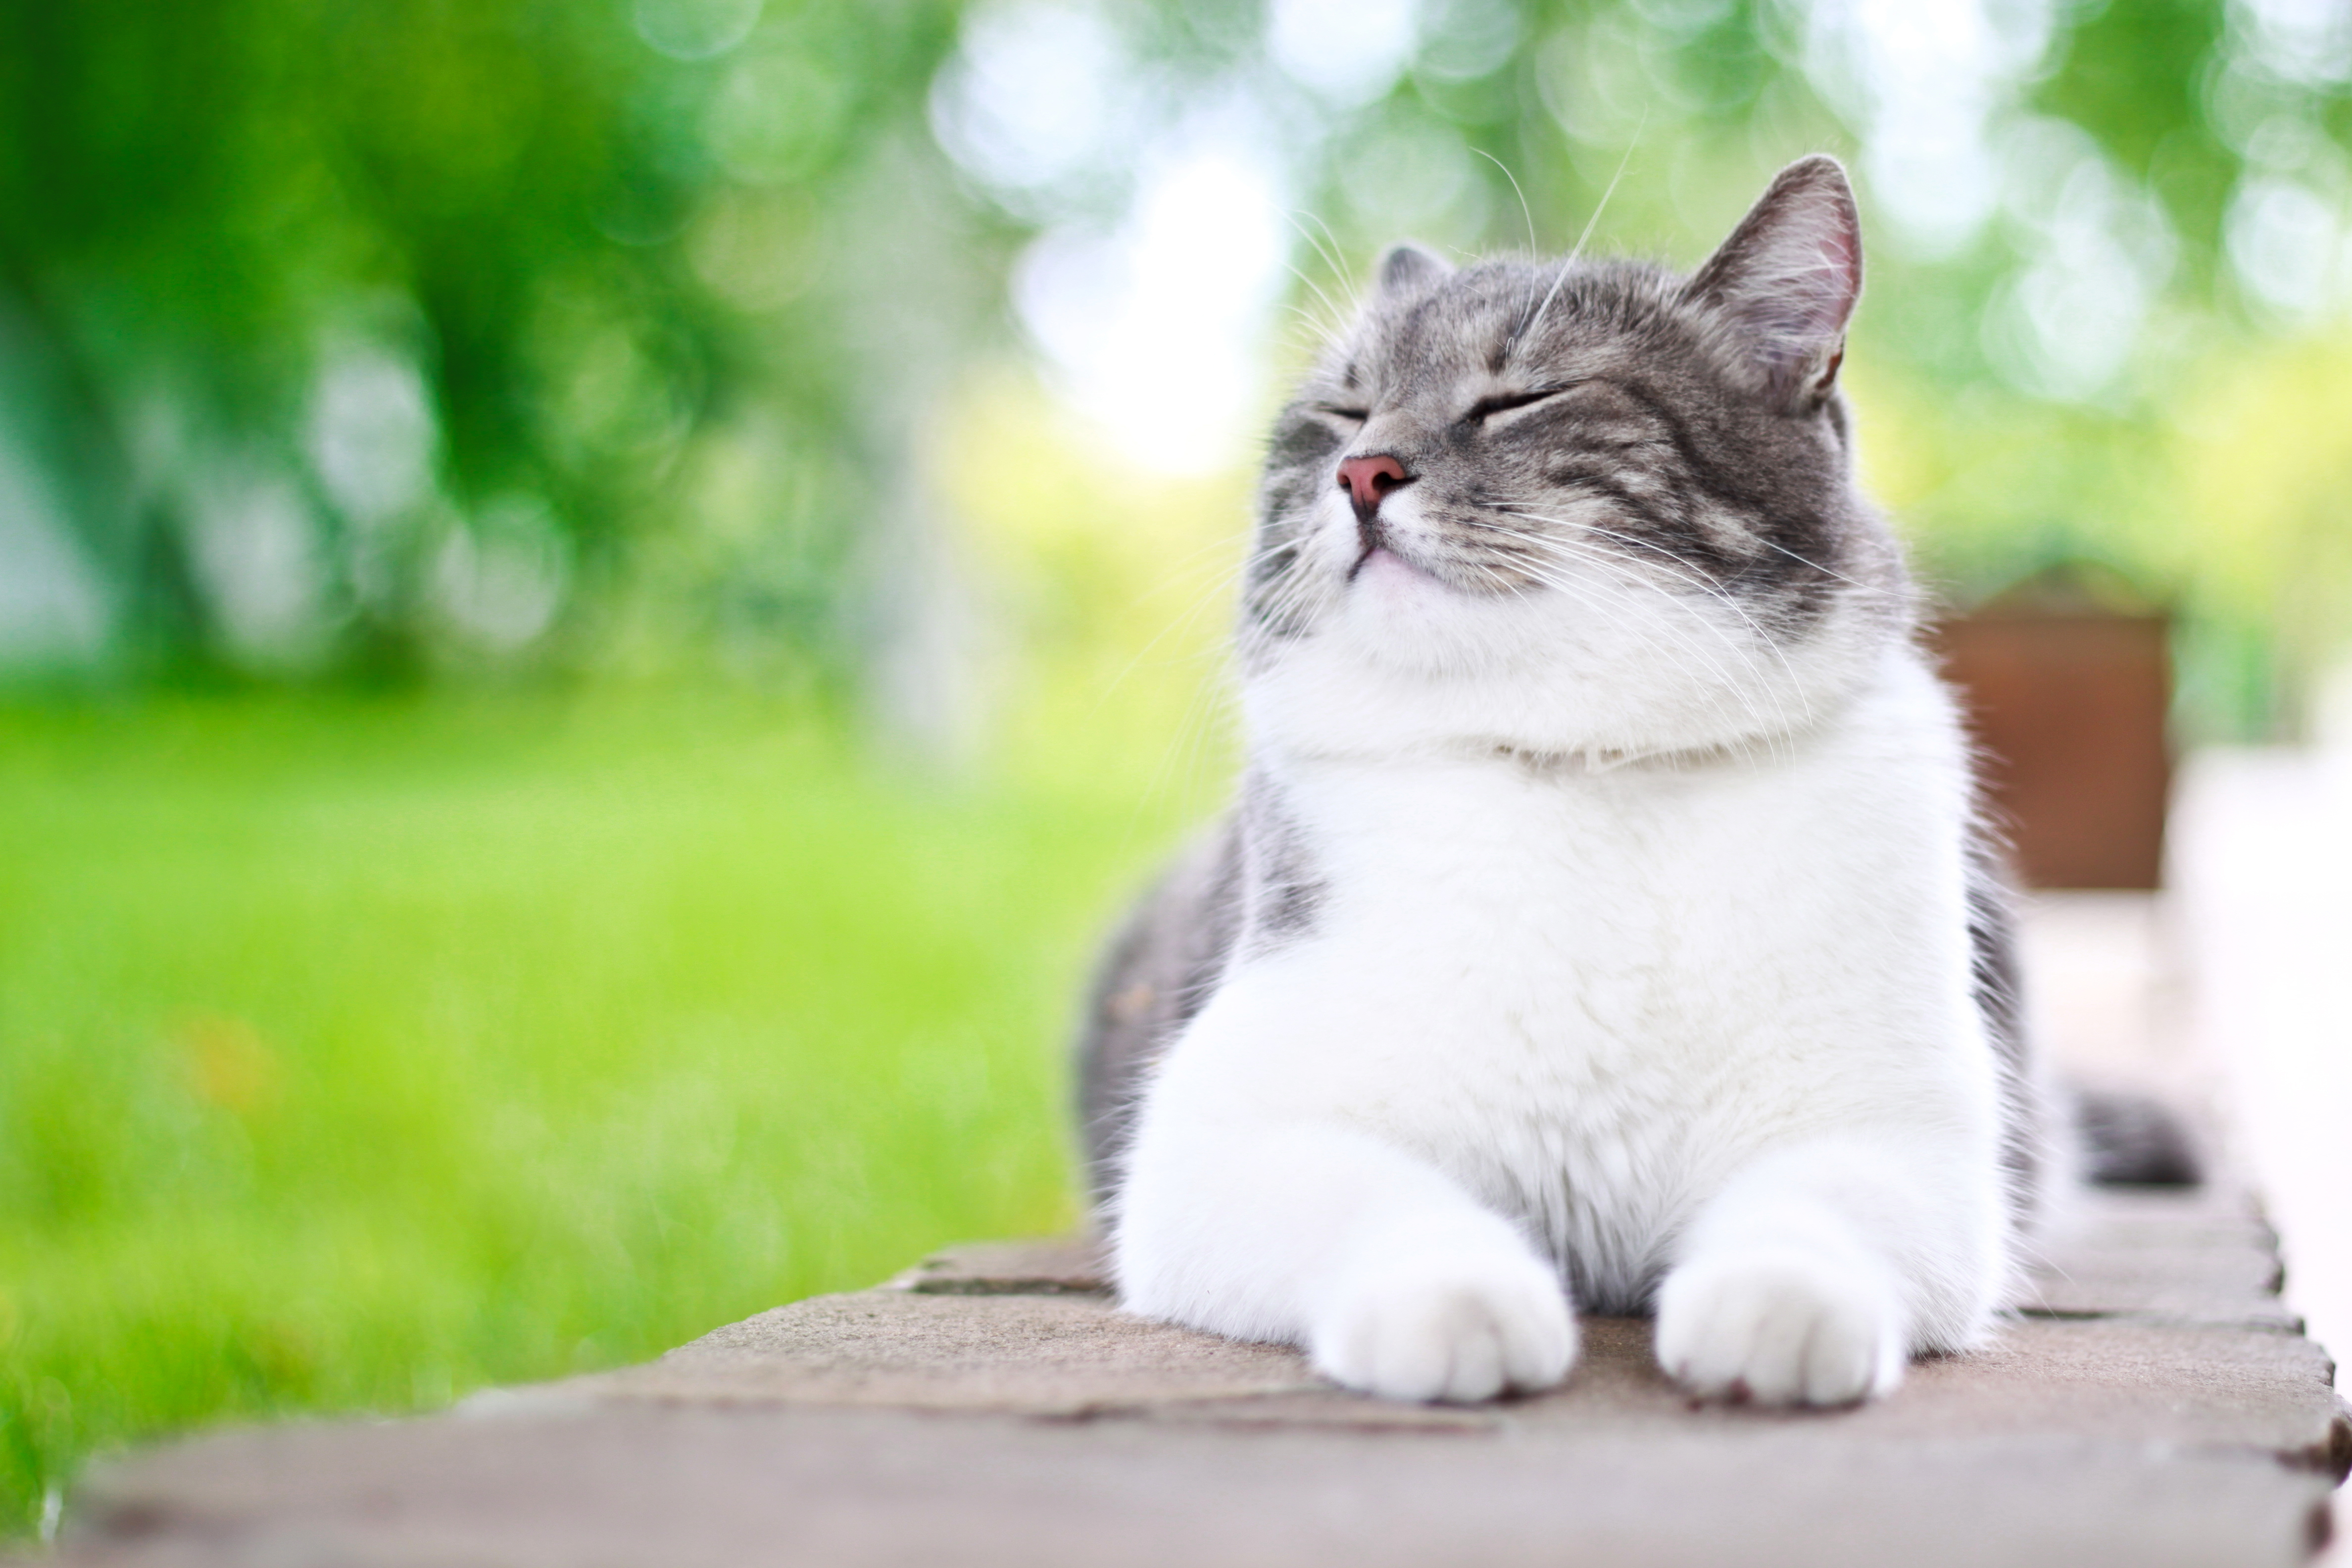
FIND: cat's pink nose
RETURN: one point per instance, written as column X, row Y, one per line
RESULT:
column 1367, row 479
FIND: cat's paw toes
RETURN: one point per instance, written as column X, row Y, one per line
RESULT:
column 1454, row 1328
column 1779, row 1329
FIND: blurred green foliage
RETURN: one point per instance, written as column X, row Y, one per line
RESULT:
column 445, row 289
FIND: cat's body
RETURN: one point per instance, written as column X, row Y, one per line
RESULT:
column 1463, row 953
column 1603, row 922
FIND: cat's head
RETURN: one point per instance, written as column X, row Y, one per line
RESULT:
column 1577, row 506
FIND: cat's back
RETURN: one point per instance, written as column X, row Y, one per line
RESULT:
column 1159, row 969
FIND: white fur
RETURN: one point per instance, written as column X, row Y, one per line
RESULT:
column 1641, row 967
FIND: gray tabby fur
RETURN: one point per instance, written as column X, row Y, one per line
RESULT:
column 1727, row 470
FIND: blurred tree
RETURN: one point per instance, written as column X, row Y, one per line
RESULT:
column 349, row 337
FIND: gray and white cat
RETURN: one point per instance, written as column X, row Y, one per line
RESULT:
column 1604, row 922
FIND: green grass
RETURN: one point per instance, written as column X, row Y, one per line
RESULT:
column 355, row 1054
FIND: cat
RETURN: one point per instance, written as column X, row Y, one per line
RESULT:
column 1606, row 921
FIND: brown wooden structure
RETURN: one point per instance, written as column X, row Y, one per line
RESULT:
column 2068, row 706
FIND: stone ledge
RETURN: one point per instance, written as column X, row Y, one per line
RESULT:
column 1052, row 1266
column 2203, row 1258
column 2153, row 1404
column 688, row 1485
column 2118, row 1378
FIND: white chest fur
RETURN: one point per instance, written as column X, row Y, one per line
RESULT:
column 1590, row 997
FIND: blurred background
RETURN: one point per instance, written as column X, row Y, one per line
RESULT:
column 599, row 600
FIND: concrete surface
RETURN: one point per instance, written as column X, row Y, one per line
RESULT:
column 2151, row 1404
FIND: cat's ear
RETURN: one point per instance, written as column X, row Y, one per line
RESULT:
column 1409, row 269
column 1789, row 276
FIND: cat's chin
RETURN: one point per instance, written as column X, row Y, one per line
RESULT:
column 1403, row 617
column 1383, row 570
column 1400, row 596
column 1409, row 664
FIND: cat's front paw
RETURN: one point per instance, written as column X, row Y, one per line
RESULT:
column 1780, row 1327
column 1459, row 1327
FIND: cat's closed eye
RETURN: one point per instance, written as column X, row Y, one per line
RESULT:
column 1504, row 401
column 1354, row 416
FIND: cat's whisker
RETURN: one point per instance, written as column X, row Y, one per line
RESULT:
column 1190, row 566
column 1859, row 587
column 1675, row 567
column 1291, row 594
column 1178, row 624
column 1331, row 255
column 1730, row 601
column 1613, row 581
column 1327, row 321
column 1525, row 212
column 1568, row 265
column 1312, row 333
column 1593, row 556
column 1218, row 590
column 1337, row 252
column 1722, row 688
column 1211, row 699
column 1651, row 635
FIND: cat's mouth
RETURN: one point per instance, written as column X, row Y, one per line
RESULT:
column 1374, row 556
column 1377, row 547
column 1383, row 559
